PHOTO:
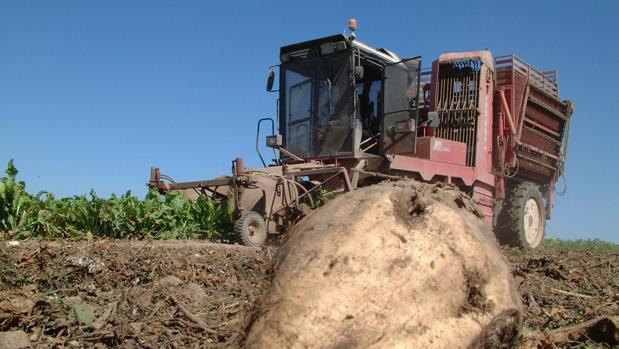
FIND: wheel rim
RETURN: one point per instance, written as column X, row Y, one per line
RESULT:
column 254, row 233
column 533, row 224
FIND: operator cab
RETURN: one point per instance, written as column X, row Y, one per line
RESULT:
column 340, row 98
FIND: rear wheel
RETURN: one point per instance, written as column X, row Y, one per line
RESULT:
column 523, row 222
column 251, row 229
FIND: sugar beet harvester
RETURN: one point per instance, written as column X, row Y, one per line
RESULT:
column 350, row 114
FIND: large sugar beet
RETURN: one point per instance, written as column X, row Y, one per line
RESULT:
column 395, row 265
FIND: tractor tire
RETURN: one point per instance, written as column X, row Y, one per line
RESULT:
column 522, row 222
column 251, row 229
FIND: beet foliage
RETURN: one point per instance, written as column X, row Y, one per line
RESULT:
column 169, row 216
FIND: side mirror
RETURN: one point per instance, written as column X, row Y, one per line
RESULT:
column 433, row 120
column 404, row 126
column 271, row 79
column 274, row 141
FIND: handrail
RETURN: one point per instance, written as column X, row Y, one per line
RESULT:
column 546, row 81
column 258, row 136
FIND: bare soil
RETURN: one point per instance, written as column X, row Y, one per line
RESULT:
column 130, row 293
column 563, row 287
column 197, row 294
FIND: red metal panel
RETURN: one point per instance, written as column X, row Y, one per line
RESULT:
column 483, row 163
column 530, row 137
column 462, row 91
column 537, row 114
column 441, row 150
column 483, row 196
column 429, row 169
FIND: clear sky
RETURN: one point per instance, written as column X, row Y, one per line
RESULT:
column 93, row 93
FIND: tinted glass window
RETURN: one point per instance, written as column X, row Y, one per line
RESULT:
column 318, row 106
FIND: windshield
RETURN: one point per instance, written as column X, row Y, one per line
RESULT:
column 318, row 106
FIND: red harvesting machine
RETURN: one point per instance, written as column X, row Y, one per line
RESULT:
column 350, row 114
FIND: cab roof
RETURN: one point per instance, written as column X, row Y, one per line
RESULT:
column 338, row 42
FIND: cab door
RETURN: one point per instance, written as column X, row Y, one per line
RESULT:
column 400, row 95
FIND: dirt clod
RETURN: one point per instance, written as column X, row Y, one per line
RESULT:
column 14, row 340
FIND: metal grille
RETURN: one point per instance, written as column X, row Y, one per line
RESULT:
column 458, row 103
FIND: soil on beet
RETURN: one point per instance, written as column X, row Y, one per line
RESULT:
column 197, row 294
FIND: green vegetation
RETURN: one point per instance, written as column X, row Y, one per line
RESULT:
column 170, row 216
column 594, row 244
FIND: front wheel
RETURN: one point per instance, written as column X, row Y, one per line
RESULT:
column 523, row 221
column 251, row 229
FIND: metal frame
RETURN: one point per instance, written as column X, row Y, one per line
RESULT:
column 242, row 179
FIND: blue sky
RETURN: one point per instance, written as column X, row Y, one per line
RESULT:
column 92, row 93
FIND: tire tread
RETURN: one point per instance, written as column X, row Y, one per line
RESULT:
column 240, row 228
column 510, row 230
